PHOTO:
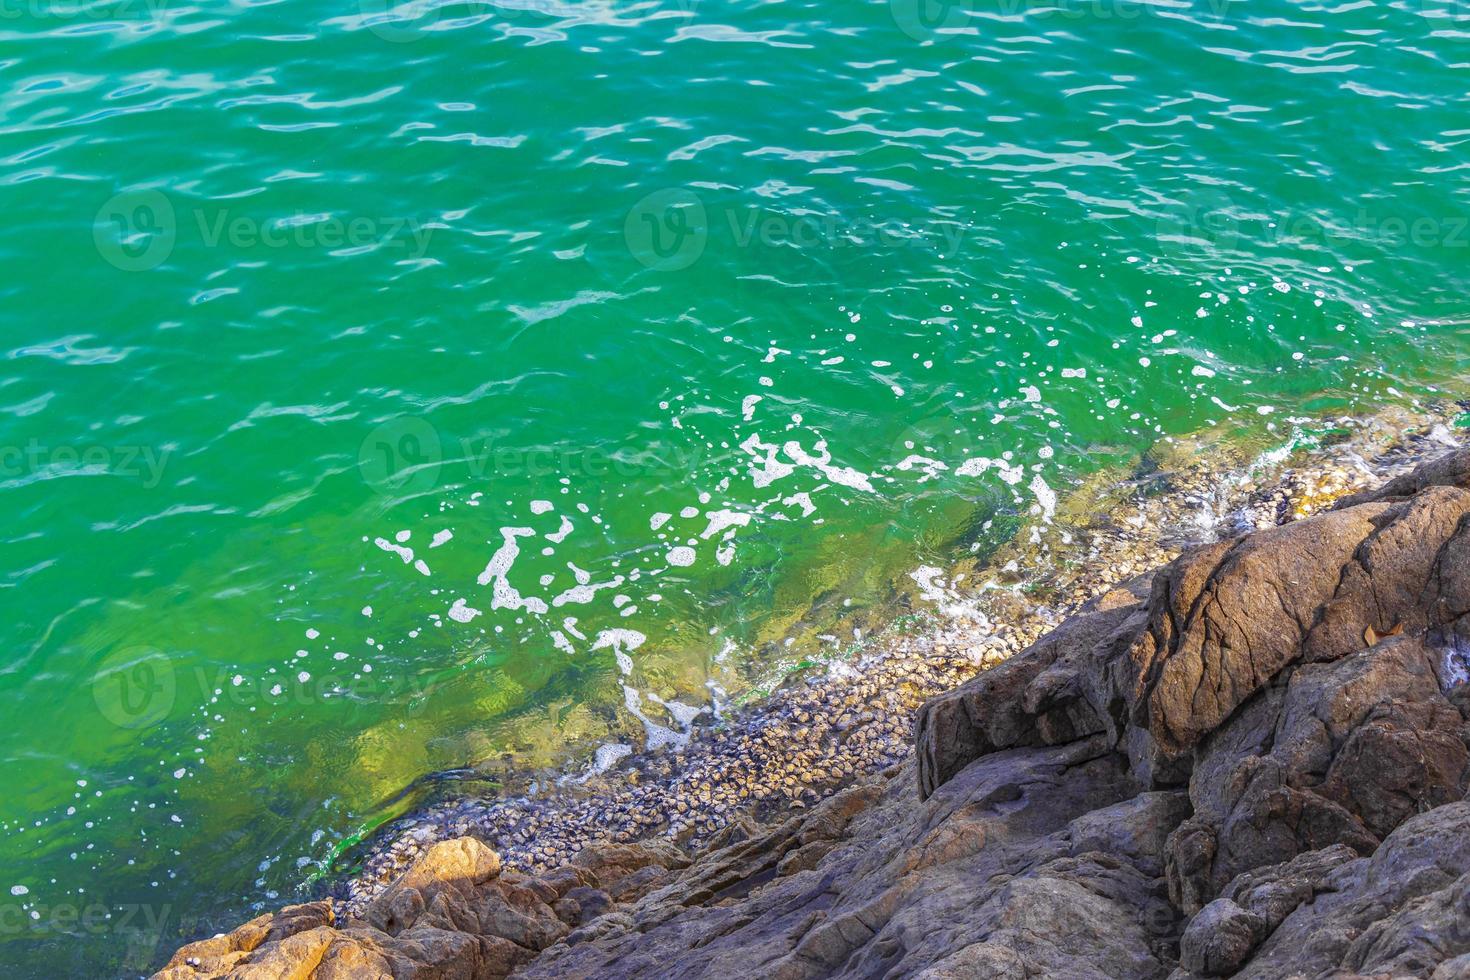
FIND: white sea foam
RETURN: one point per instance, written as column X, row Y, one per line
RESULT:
column 560, row 534
column 1045, row 496
column 720, row 520
column 931, row 468
column 402, row 552
column 585, row 592
column 608, row 755
column 657, row 735
column 802, row 500
column 505, row 595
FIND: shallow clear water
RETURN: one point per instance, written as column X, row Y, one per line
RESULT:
column 295, row 289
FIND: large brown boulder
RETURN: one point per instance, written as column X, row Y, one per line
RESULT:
column 453, row 914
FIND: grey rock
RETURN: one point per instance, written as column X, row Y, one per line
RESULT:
column 1219, row 938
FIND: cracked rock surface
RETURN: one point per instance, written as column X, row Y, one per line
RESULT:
column 1251, row 762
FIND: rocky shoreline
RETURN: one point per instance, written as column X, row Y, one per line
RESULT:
column 606, row 862
column 824, row 731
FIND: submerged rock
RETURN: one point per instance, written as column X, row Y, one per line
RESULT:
column 1251, row 762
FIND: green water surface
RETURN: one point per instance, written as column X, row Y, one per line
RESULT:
column 293, row 288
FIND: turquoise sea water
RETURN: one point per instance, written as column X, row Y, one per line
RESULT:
column 393, row 388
